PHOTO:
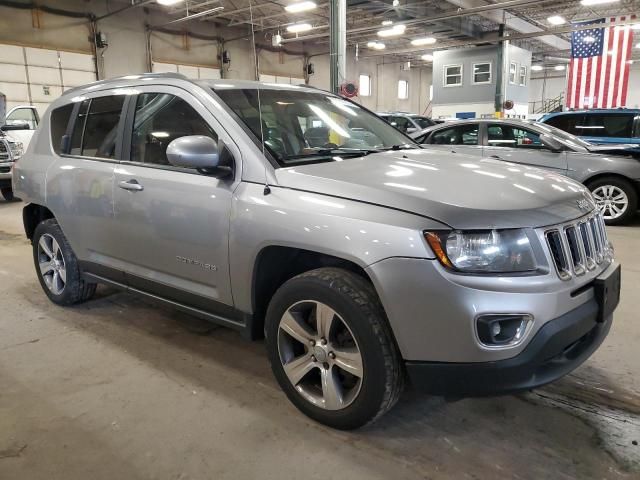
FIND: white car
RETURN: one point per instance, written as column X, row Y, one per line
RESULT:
column 21, row 123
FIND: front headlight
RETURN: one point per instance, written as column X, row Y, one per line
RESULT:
column 487, row 251
column 16, row 150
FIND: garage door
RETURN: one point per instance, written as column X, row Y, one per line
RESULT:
column 190, row 71
column 37, row 76
column 281, row 79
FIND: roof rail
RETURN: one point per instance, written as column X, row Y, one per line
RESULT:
column 136, row 76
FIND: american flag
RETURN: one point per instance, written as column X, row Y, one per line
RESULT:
column 599, row 70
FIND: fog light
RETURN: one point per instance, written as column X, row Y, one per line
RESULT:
column 502, row 330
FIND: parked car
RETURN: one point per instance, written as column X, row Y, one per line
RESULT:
column 363, row 261
column 407, row 122
column 10, row 151
column 599, row 126
column 21, row 121
column 609, row 172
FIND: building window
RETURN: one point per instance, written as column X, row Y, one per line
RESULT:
column 523, row 75
column 364, row 85
column 403, row 89
column 481, row 73
column 452, row 76
column 513, row 72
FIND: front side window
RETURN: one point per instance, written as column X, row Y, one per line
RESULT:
column 606, row 125
column 401, row 123
column 452, row 75
column 482, row 73
column 502, row 135
column 365, row 85
column 23, row 116
column 159, row 119
column 460, row 135
column 403, row 89
column 300, row 126
column 523, row 75
column 513, row 72
column 423, row 122
column 96, row 127
column 567, row 123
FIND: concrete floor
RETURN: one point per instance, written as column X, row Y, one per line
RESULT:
column 121, row 389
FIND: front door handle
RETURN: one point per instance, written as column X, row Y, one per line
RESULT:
column 131, row 185
column 497, row 157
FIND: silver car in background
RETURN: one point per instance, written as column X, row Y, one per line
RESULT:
column 611, row 173
column 291, row 213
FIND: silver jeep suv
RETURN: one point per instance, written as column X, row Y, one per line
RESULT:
column 291, row 213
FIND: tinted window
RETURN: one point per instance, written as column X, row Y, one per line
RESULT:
column 96, row 128
column 605, row 125
column 59, row 120
column 460, row 135
column 160, row 118
column 423, row 122
column 499, row 135
column 401, row 123
column 566, row 123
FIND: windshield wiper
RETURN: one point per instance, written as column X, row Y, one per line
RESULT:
column 325, row 152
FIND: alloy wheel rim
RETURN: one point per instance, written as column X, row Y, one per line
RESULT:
column 611, row 200
column 320, row 355
column 52, row 264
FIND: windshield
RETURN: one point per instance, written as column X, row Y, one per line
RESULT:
column 423, row 122
column 303, row 127
column 572, row 140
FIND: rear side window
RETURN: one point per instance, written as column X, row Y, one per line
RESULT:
column 567, row 123
column 460, row 135
column 606, row 125
column 160, row 118
column 503, row 135
column 59, row 121
column 96, row 128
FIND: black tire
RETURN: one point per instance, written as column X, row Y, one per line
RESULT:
column 354, row 299
column 627, row 188
column 76, row 290
column 7, row 193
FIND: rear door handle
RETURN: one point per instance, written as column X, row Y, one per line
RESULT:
column 131, row 185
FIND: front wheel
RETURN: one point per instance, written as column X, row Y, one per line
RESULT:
column 331, row 348
column 617, row 199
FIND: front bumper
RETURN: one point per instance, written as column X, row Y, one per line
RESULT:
column 557, row 348
column 5, row 174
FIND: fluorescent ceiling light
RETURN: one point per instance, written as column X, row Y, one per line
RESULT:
column 559, row 68
column 423, row 41
column 376, row 45
column 386, row 23
column 588, row 3
column 299, row 27
column 427, row 57
column 393, row 31
column 556, row 20
column 537, row 68
column 300, row 6
column 168, row 3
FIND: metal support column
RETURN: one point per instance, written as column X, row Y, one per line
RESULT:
column 338, row 42
column 501, row 69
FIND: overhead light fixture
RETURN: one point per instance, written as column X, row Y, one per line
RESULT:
column 386, row 23
column 423, row 41
column 559, row 68
column 376, row 45
column 537, row 68
column 396, row 3
column 556, row 20
column 300, row 6
column 393, row 31
column 588, row 3
column 168, row 3
column 427, row 57
column 299, row 27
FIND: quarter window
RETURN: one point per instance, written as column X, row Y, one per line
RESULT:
column 96, row 128
column 510, row 136
column 59, row 121
column 452, row 75
column 159, row 119
column 460, row 135
column 481, row 73
column 513, row 72
column 523, row 75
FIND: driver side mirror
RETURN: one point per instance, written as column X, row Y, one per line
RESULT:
column 198, row 152
column 411, row 130
column 15, row 126
column 551, row 143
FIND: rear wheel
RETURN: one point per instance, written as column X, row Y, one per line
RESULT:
column 617, row 199
column 331, row 349
column 57, row 266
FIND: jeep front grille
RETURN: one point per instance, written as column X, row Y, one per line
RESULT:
column 579, row 246
column 5, row 154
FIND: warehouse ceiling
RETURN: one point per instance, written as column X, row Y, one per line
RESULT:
column 446, row 23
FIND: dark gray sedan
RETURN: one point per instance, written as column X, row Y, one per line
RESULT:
column 612, row 176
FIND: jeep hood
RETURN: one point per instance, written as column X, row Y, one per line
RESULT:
column 460, row 190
